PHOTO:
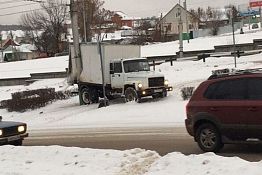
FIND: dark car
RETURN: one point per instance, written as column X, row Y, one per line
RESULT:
column 226, row 109
column 12, row 133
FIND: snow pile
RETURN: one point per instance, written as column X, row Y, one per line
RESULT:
column 209, row 163
column 57, row 160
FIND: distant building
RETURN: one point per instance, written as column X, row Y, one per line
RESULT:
column 168, row 26
column 120, row 19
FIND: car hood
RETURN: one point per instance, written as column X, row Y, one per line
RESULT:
column 4, row 124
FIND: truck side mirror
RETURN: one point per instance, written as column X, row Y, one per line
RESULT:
column 112, row 72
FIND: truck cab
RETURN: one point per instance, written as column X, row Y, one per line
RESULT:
column 133, row 79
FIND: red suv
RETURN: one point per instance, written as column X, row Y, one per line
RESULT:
column 226, row 109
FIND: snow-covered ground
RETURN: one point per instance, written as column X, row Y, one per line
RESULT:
column 23, row 69
column 56, row 160
column 203, row 43
column 168, row 112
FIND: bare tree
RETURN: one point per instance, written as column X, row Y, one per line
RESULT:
column 214, row 20
column 231, row 9
column 94, row 17
column 47, row 26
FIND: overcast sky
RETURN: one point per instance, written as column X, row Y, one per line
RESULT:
column 136, row 8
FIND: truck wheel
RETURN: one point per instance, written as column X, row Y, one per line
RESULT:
column 208, row 138
column 131, row 94
column 85, row 96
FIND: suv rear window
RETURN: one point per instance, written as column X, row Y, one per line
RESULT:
column 227, row 89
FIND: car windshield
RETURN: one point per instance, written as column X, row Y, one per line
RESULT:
column 136, row 66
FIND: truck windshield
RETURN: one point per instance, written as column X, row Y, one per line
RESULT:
column 136, row 66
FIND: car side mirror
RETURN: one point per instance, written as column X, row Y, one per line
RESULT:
column 1, row 118
column 112, row 72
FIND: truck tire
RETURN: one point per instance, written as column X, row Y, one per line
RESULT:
column 131, row 95
column 85, row 96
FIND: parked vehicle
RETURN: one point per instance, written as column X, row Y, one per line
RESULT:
column 12, row 133
column 125, row 74
column 226, row 109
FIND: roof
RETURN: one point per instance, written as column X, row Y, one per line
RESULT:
column 125, row 16
column 177, row 5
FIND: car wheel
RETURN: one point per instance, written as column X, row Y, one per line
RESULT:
column 164, row 94
column 156, row 96
column 208, row 138
column 17, row 143
column 131, row 95
column 85, row 96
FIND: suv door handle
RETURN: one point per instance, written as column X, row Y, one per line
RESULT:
column 213, row 109
column 253, row 109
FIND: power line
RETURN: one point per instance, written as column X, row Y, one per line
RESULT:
column 16, row 6
column 11, row 2
column 26, row 11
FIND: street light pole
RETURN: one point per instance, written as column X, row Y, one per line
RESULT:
column 187, row 30
column 234, row 39
column 180, row 33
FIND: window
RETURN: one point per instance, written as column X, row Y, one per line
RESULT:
column 255, row 89
column 117, row 67
column 136, row 66
column 228, row 89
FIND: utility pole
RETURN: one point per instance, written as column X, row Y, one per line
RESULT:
column 74, row 22
column 180, row 33
column 2, row 52
column 234, row 39
column 84, row 18
column 187, row 30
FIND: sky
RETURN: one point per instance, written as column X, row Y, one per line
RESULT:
column 135, row 8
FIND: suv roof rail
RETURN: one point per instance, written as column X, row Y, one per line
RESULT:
column 230, row 72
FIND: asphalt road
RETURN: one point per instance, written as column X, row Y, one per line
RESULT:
column 162, row 140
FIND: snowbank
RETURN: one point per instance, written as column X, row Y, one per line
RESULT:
column 57, row 160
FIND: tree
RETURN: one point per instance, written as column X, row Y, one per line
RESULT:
column 47, row 26
column 231, row 9
column 93, row 17
column 214, row 20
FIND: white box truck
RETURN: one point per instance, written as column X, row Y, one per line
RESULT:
column 126, row 74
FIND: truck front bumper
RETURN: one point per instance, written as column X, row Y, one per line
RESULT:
column 152, row 91
column 6, row 140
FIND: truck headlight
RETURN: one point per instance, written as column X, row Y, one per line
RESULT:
column 166, row 83
column 1, row 132
column 140, row 85
column 21, row 128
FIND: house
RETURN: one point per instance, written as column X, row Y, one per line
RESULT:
column 168, row 26
column 120, row 19
column 20, row 52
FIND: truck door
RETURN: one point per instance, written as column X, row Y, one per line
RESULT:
column 117, row 75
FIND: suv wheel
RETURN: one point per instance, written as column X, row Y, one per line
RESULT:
column 208, row 138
